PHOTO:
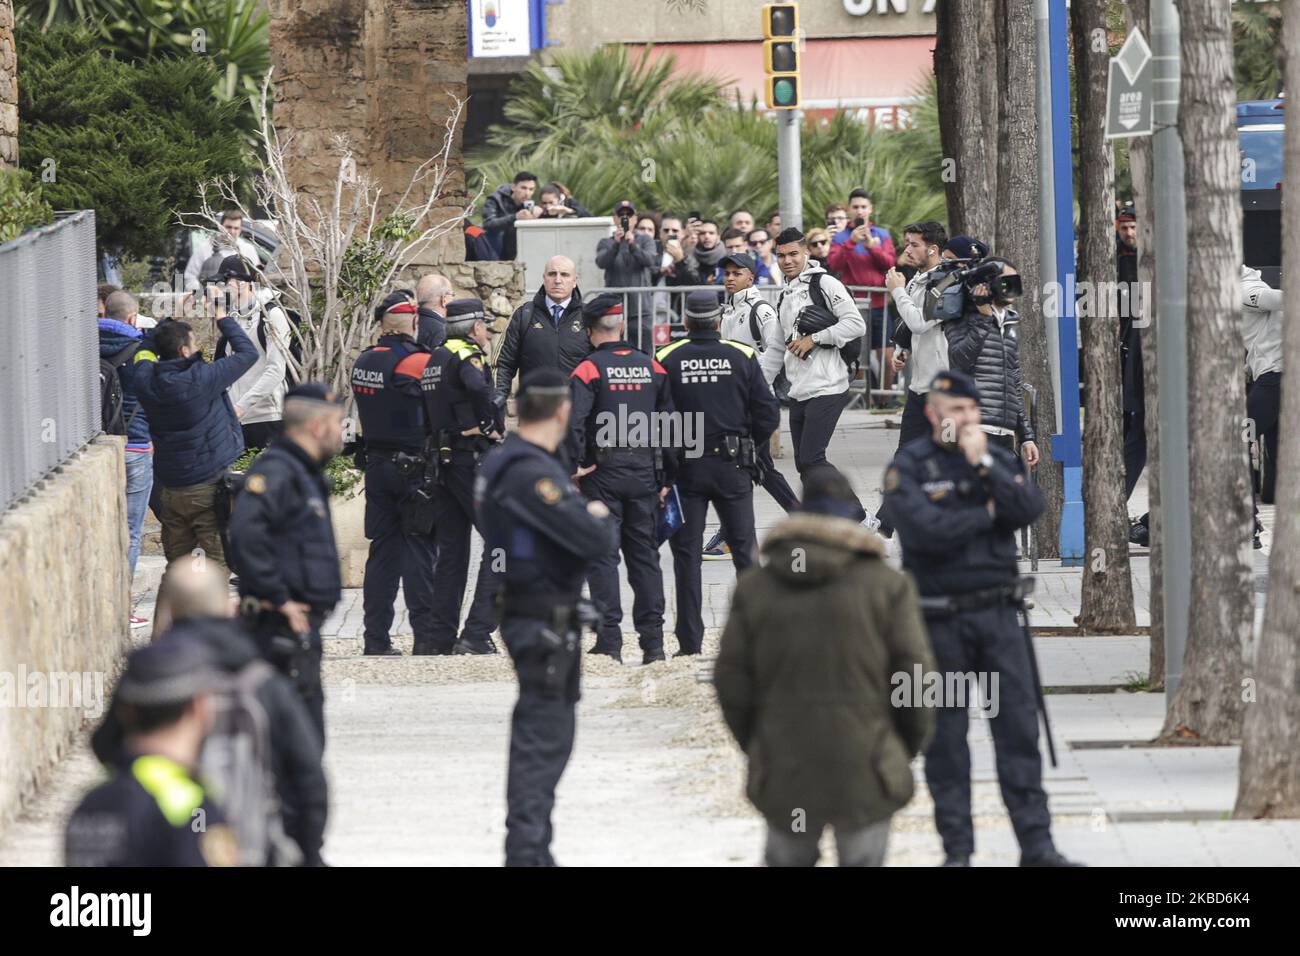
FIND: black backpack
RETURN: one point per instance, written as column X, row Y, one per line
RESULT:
column 850, row 352
column 295, row 344
column 111, row 399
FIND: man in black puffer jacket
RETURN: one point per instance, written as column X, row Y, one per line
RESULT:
column 196, row 600
column 983, row 343
column 547, row 330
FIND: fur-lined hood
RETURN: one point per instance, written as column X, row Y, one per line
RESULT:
column 806, row 548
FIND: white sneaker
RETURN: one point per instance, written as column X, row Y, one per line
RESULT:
column 871, row 522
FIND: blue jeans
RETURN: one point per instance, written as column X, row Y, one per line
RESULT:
column 139, row 482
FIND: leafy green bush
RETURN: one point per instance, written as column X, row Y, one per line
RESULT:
column 233, row 34
column 612, row 127
column 343, row 473
column 21, row 205
column 131, row 141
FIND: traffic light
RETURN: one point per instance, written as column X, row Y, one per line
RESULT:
column 781, row 55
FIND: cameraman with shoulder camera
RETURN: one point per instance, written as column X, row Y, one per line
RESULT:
column 818, row 318
column 984, row 343
column 630, row 260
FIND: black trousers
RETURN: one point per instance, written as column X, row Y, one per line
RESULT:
column 705, row 481
column 453, row 522
column 634, row 505
column 812, row 423
column 914, row 425
column 395, row 559
column 541, row 737
column 773, row 482
column 296, row 657
column 988, row 642
column 259, row 434
column 1135, row 449
column 1263, row 407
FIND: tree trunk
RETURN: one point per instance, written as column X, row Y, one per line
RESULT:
column 1017, row 237
column 1269, row 784
column 967, row 173
column 1107, row 603
column 1143, row 173
column 1207, row 706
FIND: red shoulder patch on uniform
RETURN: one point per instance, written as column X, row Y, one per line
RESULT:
column 658, row 368
column 413, row 365
column 586, row 372
column 622, row 351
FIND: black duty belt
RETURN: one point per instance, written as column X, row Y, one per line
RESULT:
column 559, row 610
column 601, row 454
column 939, row 605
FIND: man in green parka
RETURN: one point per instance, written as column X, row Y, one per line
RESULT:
column 818, row 642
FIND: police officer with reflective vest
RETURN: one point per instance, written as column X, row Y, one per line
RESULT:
column 957, row 500
column 465, row 417
column 620, row 401
column 549, row 534
column 282, row 541
column 719, row 383
column 152, row 811
column 399, row 512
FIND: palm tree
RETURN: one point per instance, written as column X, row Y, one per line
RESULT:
column 613, row 127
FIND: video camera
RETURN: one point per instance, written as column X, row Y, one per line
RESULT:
column 954, row 280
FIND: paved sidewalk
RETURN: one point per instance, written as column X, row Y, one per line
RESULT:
column 417, row 748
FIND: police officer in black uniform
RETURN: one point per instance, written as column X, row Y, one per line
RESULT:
column 620, row 398
column 549, row 533
column 282, row 541
column 465, row 417
column 957, row 501
column 147, row 813
column 720, row 383
column 399, row 511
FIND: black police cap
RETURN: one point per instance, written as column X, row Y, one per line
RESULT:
column 466, row 310
column 955, row 383
column 544, row 381
column 169, row 672
column 393, row 302
column 314, row 392
column 598, row 307
column 703, row 305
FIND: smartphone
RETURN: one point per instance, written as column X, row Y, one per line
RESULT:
column 859, row 223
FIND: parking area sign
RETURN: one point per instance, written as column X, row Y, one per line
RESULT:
column 1128, row 90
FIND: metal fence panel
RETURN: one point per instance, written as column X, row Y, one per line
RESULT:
column 667, row 303
column 49, row 351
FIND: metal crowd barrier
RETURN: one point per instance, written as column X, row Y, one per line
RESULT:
column 654, row 318
column 49, row 351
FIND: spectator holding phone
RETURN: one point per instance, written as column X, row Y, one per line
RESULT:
column 629, row 260
column 860, row 255
column 506, row 206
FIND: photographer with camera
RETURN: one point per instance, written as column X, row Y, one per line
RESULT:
column 818, row 321
column 630, row 260
column 984, row 343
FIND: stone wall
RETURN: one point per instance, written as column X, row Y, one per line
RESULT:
column 8, row 87
column 385, row 74
column 64, row 603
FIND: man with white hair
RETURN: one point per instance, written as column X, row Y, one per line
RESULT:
column 547, row 331
column 432, row 294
